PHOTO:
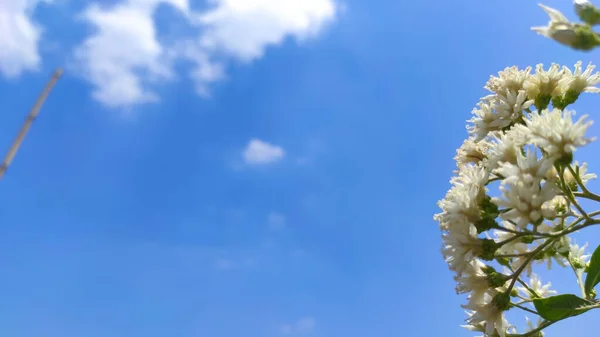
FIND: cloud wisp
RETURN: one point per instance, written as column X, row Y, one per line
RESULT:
column 304, row 325
column 19, row 37
column 259, row 152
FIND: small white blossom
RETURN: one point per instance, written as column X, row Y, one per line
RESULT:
column 522, row 191
column 488, row 118
column 549, row 227
column 461, row 204
column 498, row 112
column 460, row 247
column 484, row 313
column 583, row 175
column 531, row 327
column 511, row 78
column 577, row 256
column 471, row 152
column 558, row 205
column 506, row 147
column 473, row 279
column 580, row 81
column 555, row 133
column 512, row 103
column 544, row 81
column 474, row 326
column 540, row 290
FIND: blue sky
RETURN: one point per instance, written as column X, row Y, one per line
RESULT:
column 129, row 216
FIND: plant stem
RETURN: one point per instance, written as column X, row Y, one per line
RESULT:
column 578, row 275
column 587, row 195
column 527, row 287
column 569, row 193
column 524, row 308
column 518, row 272
column 542, row 326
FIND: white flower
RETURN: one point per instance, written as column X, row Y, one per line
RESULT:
column 555, row 133
column 484, row 313
column 511, row 78
column 580, row 81
column 473, row 279
column 474, row 326
column 531, row 327
column 583, row 175
column 460, row 247
column 522, row 191
column 497, row 112
column 486, row 120
column 506, row 147
column 540, row 290
column 577, row 256
column 558, row 29
column 512, row 103
column 558, row 205
column 461, row 204
column 471, row 152
column 544, row 82
column 549, row 227
column 528, row 169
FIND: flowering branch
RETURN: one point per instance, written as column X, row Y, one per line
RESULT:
column 515, row 199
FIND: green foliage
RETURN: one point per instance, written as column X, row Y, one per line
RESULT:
column 559, row 307
column 593, row 273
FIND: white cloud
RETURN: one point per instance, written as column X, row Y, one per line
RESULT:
column 243, row 29
column 19, row 37
column 259, row 152
column 302, row 326
column 123, row 57
column 276, row 221
column 122, row 50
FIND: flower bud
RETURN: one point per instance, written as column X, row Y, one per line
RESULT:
column 593, row 293
column 501, row 301
column 587, row 12
column 579, row 37
column 488, row 250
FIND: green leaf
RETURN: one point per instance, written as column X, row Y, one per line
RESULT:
column 593, row 274
column 560, row 307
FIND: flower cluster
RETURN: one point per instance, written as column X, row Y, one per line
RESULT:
column 513, row 192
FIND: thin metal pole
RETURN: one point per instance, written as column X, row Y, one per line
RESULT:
column 30, row 118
